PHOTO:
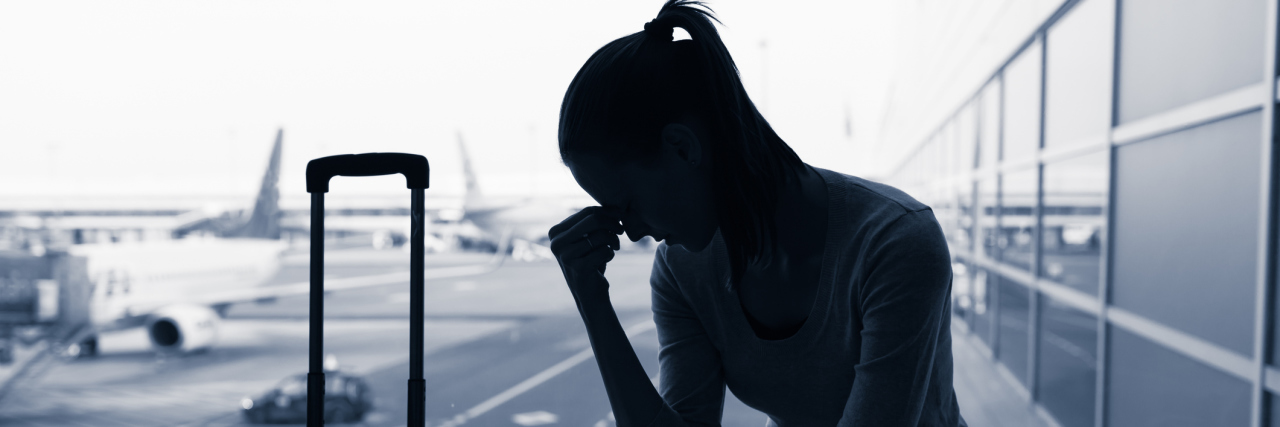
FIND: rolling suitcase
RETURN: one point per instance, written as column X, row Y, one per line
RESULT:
column 416, row 171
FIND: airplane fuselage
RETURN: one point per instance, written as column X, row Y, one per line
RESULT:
column 133, row 280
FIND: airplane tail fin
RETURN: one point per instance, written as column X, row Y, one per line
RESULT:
column 473, row 189
column 264, row 222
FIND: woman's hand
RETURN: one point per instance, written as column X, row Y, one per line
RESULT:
column 583, row 243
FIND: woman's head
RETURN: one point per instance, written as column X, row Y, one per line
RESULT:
column 664, row 129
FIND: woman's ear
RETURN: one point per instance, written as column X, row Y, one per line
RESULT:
column 679, row 140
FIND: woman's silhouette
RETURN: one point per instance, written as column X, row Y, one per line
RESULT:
column 818, row 298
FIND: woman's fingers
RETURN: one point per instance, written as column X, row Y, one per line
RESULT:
column 572, row 220
column 599, row 257
column 570, row 248
column 583, row 244
column 606, row 238
column 584, row 227
column 596, row 214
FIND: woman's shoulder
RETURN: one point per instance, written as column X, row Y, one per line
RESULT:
column 672, row 262
column 867, row 209
column 861, row 193
column 682, row 279
column 678, row 257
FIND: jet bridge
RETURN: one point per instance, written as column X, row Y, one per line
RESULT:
column 41, row 298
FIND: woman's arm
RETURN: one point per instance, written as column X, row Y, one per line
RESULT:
column 583, row 244
column 902, row 304
column 691, row 377
column 633, row 398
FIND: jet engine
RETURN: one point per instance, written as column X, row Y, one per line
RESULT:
column 183, row 328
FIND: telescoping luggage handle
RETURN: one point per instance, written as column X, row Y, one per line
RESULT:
column 416, row 171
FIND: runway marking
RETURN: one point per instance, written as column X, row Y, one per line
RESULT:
column 538, row 379
column 535, row 418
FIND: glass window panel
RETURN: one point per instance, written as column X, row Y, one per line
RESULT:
column 1074, row 221
column 986, row 217
column 1186, row 230
column 961, row 290
column 948, row 142
column 1273, row 357
column 983, row 309
column 1022, row 105
column 1014, row 300
column 1016, row 238
column 936, row 166
column 927, row 153
column 965, row 131
column 953, row 150
column 1150, row 385
column 989, row 125
column 932, row 155
column 943, row 202
column 937, row 159
column 1068, row 362
column 1273, row 402
column 1175, row 52
column 962, row 238
column 1078, row 73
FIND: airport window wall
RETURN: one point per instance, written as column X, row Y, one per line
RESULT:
column 1109, row 198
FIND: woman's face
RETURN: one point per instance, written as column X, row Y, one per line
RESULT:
column 670, row 199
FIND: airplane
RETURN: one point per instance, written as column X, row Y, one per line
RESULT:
column 524, row 220
column 179, row 289
column 520, row 222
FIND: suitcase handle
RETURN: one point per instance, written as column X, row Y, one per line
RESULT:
column 415, row 169
column 413, row 166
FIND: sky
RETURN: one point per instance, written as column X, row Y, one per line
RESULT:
column 153, row 98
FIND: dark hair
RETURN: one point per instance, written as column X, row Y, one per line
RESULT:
column 628, row 90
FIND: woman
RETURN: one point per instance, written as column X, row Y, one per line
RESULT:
column 818, row 298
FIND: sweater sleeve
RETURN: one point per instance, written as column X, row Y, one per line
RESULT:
column 901, row 306
column 691, row 379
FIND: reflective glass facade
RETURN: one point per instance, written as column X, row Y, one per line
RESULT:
column 1074, row 221
column 1015, row 241
column 1021, row 120
column 1014, row 333
column 1067, row 367
column 1109, row 203
column 1203, row 226
column 1176, row 52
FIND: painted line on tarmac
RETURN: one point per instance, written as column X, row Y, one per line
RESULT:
column 538, row 379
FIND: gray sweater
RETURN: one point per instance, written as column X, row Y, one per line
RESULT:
column 874, row 351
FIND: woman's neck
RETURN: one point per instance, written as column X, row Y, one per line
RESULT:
column 801, row 217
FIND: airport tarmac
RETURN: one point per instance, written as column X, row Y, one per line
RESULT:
column 506, row 348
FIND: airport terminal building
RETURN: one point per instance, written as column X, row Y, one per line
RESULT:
column 1104, row 172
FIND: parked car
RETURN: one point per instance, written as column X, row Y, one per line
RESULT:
column 347, row 400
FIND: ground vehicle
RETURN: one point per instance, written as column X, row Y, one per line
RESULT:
column 346, row 399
